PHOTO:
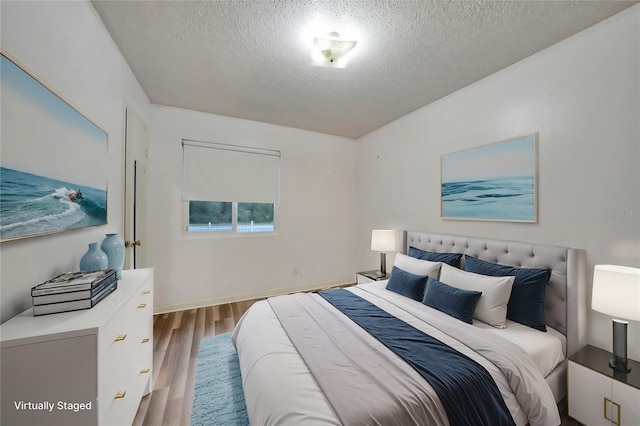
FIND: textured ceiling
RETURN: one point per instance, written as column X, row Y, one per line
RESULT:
column 247, row 59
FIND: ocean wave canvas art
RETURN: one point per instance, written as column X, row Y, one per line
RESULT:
column 54, row 165
column 33, row 204
column 491, row 182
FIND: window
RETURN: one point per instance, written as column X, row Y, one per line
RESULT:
column 214, row 216
column 210, row 216
column 255, row 217
column 249, row 178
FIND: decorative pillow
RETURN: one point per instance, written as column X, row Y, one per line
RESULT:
column 407, row 284
column 526, row 304
column 492, row 307
column 417, row 266
column 450, row 300
column 452, row 259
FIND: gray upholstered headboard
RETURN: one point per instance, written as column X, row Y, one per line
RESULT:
column 565, row 299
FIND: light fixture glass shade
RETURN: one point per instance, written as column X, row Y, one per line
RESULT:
column 383, row 240
column 331, row 48
column 616, row 291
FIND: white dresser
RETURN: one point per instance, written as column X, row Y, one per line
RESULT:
column 87, row 367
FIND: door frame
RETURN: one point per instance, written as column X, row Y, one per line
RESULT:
column 132, row 232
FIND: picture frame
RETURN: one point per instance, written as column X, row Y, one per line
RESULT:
column 494, row 182
column 54, row 164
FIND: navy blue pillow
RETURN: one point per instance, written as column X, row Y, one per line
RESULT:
column 453, row 301
column 452, row 259
column 526, row 304
column 407, row 284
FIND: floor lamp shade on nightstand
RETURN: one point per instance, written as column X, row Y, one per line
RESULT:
column 384, row 241
column 616, row 292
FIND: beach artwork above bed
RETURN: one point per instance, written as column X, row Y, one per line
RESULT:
column 54, row 164
column 491, row 182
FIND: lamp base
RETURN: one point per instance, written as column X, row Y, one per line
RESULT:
column 383, row 264
column 619, row 366
column 619, row 361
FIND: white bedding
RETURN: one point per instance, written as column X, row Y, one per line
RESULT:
column 547, row 350
column 280, row 390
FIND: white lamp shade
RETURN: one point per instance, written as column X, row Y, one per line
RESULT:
column 616, row 291
column 383, row 240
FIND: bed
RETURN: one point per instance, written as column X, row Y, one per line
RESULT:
column 340, row 356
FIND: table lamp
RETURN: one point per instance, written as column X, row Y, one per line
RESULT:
column 384, row 241
column 616, row 292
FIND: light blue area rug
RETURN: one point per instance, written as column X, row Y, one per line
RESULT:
column 218, row 399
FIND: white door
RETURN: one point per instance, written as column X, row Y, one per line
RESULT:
column 136, row 152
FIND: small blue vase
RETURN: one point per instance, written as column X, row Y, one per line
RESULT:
column 113, row 246
column 93, row 259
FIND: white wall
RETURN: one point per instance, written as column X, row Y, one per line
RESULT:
column 316, row 215
column 583, row 98
column 66, row 45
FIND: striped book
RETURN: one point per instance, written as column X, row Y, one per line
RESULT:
column 73, row 281
column 75, row 305
column 69, row 296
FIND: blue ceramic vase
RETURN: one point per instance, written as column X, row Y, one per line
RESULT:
column 113, row 246
column 93, row 259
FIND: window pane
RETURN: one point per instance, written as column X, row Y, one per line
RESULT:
column 255, row 217
column 206, row 216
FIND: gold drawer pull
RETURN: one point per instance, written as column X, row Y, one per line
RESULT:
column 145, row 340
column 120, row 394
column 615, row 411
column 142, row 305
column 121, row 337
column 146, row 292
column 145, row 371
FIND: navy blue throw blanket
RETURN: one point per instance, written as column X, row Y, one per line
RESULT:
column 466, row 389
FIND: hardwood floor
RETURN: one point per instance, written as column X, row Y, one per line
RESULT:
column 176, row 341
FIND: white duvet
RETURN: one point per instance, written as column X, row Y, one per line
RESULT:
column 280, row 389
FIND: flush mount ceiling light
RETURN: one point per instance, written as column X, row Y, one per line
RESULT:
column 331, row 50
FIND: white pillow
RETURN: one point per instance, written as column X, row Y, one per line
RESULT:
column 492, row 306
column 417, row 266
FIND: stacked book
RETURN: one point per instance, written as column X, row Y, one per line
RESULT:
column 73, row 291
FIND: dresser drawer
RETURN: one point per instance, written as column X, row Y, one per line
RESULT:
column 143, row 318
column 117, row 347
column 120, row 409
column 144, row 351
column 126, row 351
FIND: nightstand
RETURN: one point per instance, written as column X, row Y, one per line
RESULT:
column 369, row 276
column 598, row 395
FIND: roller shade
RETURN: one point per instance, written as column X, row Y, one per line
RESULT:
column 220, row 172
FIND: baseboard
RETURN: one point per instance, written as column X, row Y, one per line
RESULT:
column 240, row 297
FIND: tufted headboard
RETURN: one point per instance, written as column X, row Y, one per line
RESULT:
column 565, row 298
